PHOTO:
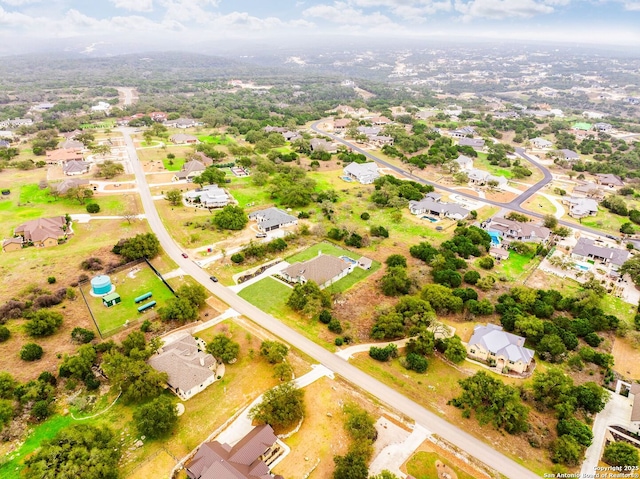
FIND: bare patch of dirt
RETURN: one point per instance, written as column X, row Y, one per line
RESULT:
column 627, row 358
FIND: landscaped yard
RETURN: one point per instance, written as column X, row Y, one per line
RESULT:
column 216, row 139
column 516, row 266
column 129, row 285
column 270, row 295
column 325, row 248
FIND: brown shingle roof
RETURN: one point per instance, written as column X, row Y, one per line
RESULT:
column 42, row 228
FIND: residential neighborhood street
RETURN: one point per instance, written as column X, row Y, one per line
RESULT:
column 419, row 414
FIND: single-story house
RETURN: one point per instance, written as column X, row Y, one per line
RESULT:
column 569, row 155
column 475, row 143
column 181, row 123
column 464, row 162
column 211, row 196
column 588, row 189
column 581, row 207
column 44, row 232
column 380, row 120
column 71, row 144
column 609, row 180
column 381, row 140
column 189, row 370
column 76, row 167
column 272, row 218
column 291, row 135
column 5, row 144
column 587, row 249
column 369, row 130
column 603, row 127
column 481, row 177
column 62, row 155
column 190, row 170
column 16, row 122
column 365, row 263
column 341, row 124
column 250, row 458
column 158, row 116
column 515, row 230
column 182, row 139
column 101, row 106
column 320, row 144
column 431, row 206
column 499, row 253
column 12, row 244
column 322, row 270
column 541, row 143
column 506, row 350
column 365, row 173
column 463, row 132
column 65, row 185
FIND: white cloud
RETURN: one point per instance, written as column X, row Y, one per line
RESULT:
column 414, row 10
column 134, row 5
column 632, row 6
column 501, row 9
column 19, row 3
column 344, row 14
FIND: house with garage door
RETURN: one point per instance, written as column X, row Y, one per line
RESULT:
column 322, row 270
column 272, row 219
column 493, row 345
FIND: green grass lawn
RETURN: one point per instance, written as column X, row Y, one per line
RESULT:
column 516, row 266
column 46, row 430
column 422, row 465
column 270, row 295
column 326, row 248
column 173, row 165
column 216, row 139
column 482, row 163
column 357, row 275
column 620, row 309
column 128, row 288
column 245, row 192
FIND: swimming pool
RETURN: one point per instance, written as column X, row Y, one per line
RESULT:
column 582, row 267
column 430, row 218
column 495, row 237
column 347, row 178
column 348, row 260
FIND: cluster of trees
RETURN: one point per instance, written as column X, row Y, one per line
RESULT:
column 309, row 299
column 260, row 250
column 223, row 348
column 391, row 192
column 276, row 353
column 360, row 425
column 109, row 169
column 282, row 407
column 230, row 218
column 184, row 307
column 144, row 245
column 396, row 281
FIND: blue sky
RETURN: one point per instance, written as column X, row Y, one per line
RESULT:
column 179, row 22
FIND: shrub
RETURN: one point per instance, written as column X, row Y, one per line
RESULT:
column 325, row 316
column 592, row 339
column 237, row 258
column 93, row 208
column 379, row 231
column 338, row 341
column 31, row 352
column 157, row 418
column 43, row 323
column 471, row 277
column 416, row 362
column 335, row 326
column 82, row 336
column 486, row 262
column 51, row 279
column 365, row 216
column 396, row 260
column 145, row 327
column 354, row 240
column 4, row 334
column 92, row 264
column 390, row 351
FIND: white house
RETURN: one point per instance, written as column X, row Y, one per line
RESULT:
column 211, row 196
column 464, row 162
column 272, row 218
column 491, row 344
column 581, row 207
column 541, row 143
column 322, row 270
column 189, row 370
column 365, row 173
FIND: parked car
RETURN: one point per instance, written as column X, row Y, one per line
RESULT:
column 261, row 235
column 213, row 278
column 185, row 255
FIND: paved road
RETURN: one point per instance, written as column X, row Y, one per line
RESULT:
column 419, row 414
column 514, row 205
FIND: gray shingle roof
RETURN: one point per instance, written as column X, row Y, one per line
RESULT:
column 493, row 339
column 320, row 269
column 587, row 247
column 269, row 218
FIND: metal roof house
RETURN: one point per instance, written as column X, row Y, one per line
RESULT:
column 491, row 344
column 365, row 173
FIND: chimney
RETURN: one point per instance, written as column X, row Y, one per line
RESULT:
column 201, row 361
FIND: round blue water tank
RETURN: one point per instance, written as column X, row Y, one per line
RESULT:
column 101, row 284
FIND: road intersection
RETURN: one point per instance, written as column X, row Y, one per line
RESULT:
column 382, row 392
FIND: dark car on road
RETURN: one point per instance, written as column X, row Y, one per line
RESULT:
column 213, row 278
column 185, row 255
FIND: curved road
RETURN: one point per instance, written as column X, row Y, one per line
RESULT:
column 515, row 204
column 419, row 414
